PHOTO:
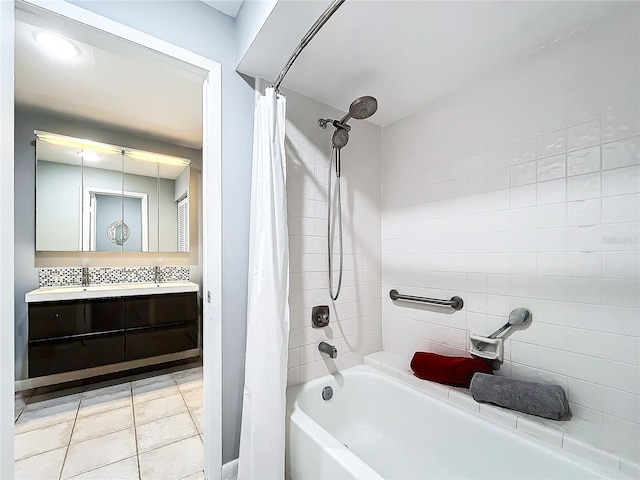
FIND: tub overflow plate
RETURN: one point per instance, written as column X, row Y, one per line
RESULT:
column 327, row 393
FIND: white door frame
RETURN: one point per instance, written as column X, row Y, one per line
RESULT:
column 7, row 360
column 89, row 215
column 212, row 220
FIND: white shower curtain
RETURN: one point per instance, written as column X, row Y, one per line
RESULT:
column 262, row 435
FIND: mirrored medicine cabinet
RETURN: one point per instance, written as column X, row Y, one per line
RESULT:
column 95, row 197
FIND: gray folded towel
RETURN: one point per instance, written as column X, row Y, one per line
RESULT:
column 548, row 401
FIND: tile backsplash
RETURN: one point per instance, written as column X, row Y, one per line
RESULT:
column 58, row 277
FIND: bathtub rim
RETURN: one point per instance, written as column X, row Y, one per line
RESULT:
column 339, row 452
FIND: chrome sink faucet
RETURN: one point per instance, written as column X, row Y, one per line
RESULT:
column 85, row 276
column 157, row 274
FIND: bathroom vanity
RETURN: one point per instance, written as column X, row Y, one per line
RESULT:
column 119, row 326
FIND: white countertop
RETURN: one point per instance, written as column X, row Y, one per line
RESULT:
column 76, row 292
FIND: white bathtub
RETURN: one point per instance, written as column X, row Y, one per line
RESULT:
column 376, row 426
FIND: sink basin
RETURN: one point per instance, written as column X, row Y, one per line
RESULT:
column 77, row 292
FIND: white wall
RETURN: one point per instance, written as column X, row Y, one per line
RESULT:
column 355, row 320
column 6, row 242
column 249, row 21
column 522, row 190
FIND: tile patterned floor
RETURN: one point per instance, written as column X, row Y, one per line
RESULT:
column 144, row 427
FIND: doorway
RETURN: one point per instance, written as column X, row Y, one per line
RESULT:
column 211, row 227
column 120, row 218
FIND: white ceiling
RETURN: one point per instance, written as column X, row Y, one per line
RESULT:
column 407, row 53
column 112, row 82
column 228, row 7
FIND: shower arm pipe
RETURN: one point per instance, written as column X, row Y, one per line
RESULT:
column 322, row 123
column 315, row 28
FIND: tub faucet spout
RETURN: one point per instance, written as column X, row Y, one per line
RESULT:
column 330, row 350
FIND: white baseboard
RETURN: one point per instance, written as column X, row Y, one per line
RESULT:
column 230, row 470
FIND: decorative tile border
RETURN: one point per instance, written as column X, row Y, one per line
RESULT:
column 173, row 274
column 61, row 277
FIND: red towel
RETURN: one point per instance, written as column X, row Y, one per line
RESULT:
column 456, row 371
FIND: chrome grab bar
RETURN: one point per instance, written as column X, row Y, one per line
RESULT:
column 456, row 302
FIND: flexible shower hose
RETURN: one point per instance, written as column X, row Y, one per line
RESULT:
column 335, row 155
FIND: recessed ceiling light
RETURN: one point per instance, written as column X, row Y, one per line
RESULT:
column 56, row 46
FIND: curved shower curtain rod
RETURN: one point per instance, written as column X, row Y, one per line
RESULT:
column 315, row 28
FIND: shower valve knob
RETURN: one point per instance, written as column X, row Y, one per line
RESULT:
column 320, row 316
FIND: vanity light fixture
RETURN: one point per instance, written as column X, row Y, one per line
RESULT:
column 157, row 158
column 90, row 156
column 89, row 150
column 56, row 46
column 85, row 145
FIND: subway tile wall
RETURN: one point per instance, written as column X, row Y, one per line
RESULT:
column 524, row 190
column 355, row 318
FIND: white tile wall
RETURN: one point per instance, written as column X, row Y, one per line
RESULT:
column 355, row 318
column 523, row 190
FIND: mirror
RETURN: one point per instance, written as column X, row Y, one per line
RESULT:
column 92, row 196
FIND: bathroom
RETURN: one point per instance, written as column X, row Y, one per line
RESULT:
column 500, row 167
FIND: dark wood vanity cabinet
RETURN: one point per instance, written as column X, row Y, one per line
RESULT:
column 75, row 317
column 157, row 310
column 161, row 324
column 77, row 334
column 149, row 342
column 68, row 354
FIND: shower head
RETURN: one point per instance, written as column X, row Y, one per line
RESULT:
column 361, row 108
column 340, row 138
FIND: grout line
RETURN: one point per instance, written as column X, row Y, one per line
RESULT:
column 66, row 453
column 15, row 420
column 133, row 406
column 135, row 428
column 71, row 436
column 174, row 414
column 189, row 409
column 172, row 442
column 39, row 453
column 102, row 466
